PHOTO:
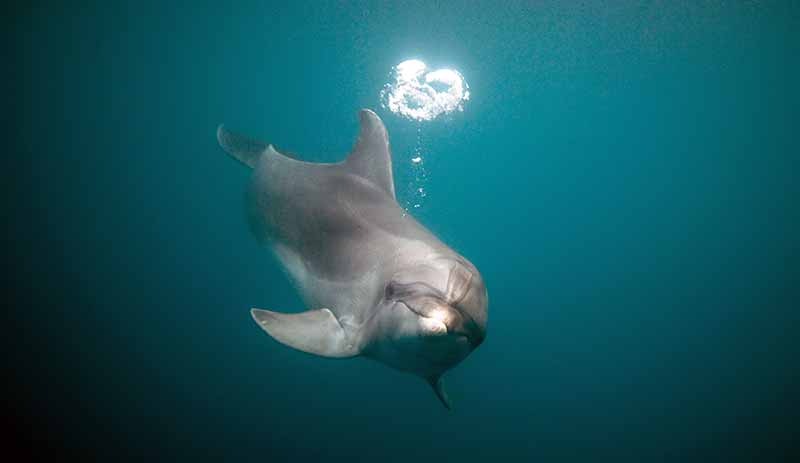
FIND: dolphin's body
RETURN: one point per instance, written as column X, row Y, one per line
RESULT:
column 376, row 281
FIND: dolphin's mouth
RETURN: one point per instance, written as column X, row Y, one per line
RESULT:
column 456, row 332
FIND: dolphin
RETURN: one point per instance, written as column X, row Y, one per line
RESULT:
column 376, row 282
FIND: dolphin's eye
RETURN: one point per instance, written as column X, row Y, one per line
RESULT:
column 392, row 290
column 395, row 290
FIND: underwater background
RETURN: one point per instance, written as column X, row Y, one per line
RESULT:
column 624, row 175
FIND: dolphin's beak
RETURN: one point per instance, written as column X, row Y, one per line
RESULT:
column 459, row 324
column 467, row 327
column 440, row 319
column 433, row 326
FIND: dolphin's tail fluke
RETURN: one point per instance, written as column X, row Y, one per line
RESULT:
column 242, row 148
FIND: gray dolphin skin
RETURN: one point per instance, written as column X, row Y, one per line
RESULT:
column 375, row 281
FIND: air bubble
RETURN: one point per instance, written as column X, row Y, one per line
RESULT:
column 415, row 93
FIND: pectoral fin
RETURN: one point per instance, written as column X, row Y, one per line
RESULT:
column 438, row 387
column 315, row 331
column 243, row 149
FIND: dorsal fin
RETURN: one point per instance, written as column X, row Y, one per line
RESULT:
column 371, row 158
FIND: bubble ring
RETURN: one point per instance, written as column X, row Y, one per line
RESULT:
column 420, row 95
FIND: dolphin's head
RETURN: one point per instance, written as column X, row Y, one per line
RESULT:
column 433, row 315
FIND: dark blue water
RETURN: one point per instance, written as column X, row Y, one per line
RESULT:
column 624, row 176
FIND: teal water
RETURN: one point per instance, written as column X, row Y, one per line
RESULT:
column 624, row 176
